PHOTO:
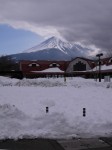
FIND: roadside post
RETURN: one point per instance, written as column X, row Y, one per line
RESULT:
column 84, row 112
column 99, row 60
column 47, row 110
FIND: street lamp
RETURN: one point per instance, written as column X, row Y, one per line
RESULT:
column 99, row 55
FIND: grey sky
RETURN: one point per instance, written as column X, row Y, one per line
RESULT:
column 85, row 21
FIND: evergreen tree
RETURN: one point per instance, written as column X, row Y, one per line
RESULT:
column 7, row 64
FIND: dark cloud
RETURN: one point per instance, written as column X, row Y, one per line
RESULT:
column 85, row 21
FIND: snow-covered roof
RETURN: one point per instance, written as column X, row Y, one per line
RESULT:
column 103, row 67
column 55, row 69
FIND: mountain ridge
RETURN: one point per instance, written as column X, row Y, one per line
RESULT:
column 52, row 42
column 53, row 49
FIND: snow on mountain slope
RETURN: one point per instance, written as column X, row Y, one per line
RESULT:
column 54, row 49
column 52, row 42
column 70, row 49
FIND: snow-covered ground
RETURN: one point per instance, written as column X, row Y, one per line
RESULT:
column 23, row 108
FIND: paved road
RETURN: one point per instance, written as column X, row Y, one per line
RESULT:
column 47, row 144
column 107, row 140
column 85, row 144
column 30, row 144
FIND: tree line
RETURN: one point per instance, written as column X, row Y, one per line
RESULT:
column 8, row 64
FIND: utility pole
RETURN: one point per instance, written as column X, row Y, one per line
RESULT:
column 99, row 60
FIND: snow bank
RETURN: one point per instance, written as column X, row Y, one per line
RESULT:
column 23, row 108
column 53, row 82
column 31, row 82
column 15, row 124
column 39, row 82
column 12, row 121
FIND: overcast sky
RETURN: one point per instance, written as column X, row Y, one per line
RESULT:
column 86, row 21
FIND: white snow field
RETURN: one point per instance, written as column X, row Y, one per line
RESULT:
column 23, row 108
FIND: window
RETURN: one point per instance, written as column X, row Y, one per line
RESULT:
column 34, row 65
column 110, row 60
column 54, row 65
column 79, row 66
column 101, row 62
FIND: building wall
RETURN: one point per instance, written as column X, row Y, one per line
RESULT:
column 75, row 61
column 66, row 66
column 26, row 66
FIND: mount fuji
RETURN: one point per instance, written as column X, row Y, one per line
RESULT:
column 53, row 49
column 52, row 42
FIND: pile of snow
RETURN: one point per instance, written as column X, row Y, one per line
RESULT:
column 23, row 108
column 5, row 81
column 39, row 82
column 53, row 82
column 12, row 121
column 15, row 124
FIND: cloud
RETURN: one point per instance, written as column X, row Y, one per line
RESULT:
column 86, row 21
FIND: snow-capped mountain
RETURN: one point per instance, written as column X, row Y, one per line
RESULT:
column 53, row 49
column 52, row 42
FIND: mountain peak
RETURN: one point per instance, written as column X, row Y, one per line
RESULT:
column 54, row 38
column 52, row 42
column 54, row 49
